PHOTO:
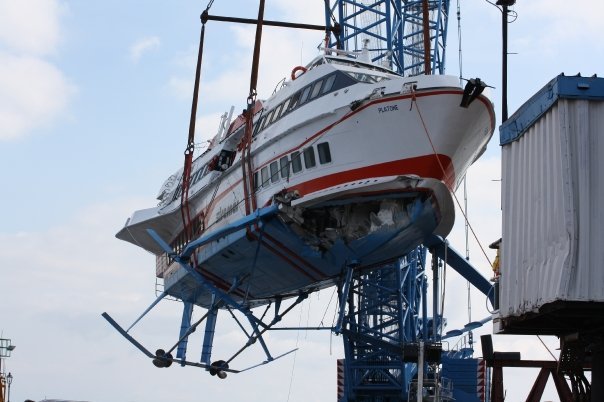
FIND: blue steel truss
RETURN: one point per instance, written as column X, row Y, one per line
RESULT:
column 382, row 316
column 393, row 31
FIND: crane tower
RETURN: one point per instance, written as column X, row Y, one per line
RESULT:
column 388, row 306
column 407, row 35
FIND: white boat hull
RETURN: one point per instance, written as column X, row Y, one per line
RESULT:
column 405, row 141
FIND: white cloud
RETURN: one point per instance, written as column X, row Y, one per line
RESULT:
column 180, row 87
column 226, row 77
column 300, row 11
column 30, row 26
column 547, row 27
column 583, row 19
column 58, row 281
column 143, row 46
column 79, row 255
column 33, row 91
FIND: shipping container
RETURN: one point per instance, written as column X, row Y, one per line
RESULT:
column 552, row 252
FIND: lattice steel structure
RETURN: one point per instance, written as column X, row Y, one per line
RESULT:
column 382, row 316
column 394, row 31
column 388, row 306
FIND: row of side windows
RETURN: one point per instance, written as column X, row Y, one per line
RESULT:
column 195, row 177
column 280, row 170
column 318, row 88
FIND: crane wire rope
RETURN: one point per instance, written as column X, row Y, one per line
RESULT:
column 546, row 348
column 465, row 201
column 421, row 117
column 291, row 377
column 443, row 292
column 465, row 181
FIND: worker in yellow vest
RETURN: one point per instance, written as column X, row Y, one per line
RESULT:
column 496, row 245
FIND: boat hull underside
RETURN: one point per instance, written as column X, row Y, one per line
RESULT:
column 281, row 257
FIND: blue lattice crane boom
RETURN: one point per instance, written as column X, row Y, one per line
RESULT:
column 384, row 319
column 407, row 35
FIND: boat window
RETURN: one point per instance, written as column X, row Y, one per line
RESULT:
column 367, row 78
column 264, row 120
column 328, row 84
column 324, row 153
column 274, row 172
column 196, row 176
column 267, row 120
column 294, row 101
column 309, row 157
column 296, row 162
column 201, row 173
column 359, row 64
column 304, row 95
column 284, row 163
column 264, row 174
column 257, row 125
column 177, row 192
column 206, row 170
column 315, row 89
column 284, row 108
column 342, row 81
column 225, row 160
column 277, row 113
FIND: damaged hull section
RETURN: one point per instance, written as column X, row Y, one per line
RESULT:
column 307, row 246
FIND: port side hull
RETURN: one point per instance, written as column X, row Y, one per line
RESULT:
column 385, row 136
column 297, row 249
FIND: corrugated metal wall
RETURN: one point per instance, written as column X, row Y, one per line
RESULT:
column 552, row 200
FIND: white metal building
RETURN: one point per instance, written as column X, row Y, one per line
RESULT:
column 552, row 253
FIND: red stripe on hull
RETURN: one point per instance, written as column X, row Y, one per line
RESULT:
column 422, row 166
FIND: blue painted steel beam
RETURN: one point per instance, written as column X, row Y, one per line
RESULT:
column 208, row 337
column 196, row 275
column 147, row 353
column 185, row 324
column 456, row 261
column 159, row 298
column 183, row 259
column 382, row 316
column 344, row 297
column 247, row 221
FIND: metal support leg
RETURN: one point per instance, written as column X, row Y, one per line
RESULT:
column 497, row 385
column 344, row 297
column 562, row 387
column 597, row 374
column 435, row 302
column 420, row 373
column 208, row 337
column 185, row 324
column 539, row 386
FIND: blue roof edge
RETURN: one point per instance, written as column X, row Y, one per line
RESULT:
column 575, row 87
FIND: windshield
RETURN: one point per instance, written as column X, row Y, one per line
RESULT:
column 358, row 64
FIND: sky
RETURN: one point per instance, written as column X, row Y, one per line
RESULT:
column 94, row 108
